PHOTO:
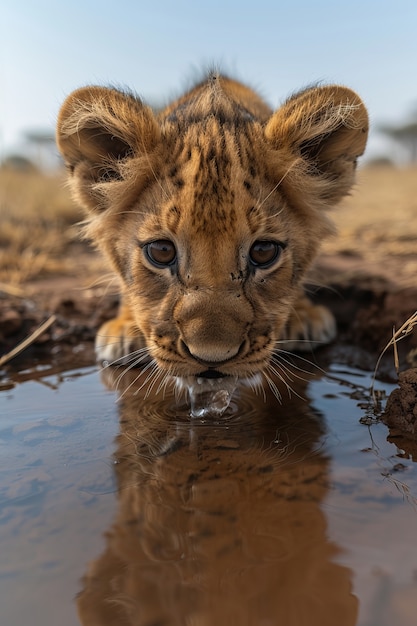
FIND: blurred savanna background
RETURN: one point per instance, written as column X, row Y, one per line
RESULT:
column 157, row 51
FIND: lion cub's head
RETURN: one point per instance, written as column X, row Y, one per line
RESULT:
column 212, row 210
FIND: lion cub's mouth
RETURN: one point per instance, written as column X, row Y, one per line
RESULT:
column 212, row 374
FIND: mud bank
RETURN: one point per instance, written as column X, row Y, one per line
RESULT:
column 401, row 410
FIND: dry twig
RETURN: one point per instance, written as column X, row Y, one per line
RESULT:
column 28, row 341
column 397, row 335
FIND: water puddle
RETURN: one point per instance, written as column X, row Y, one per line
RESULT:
column 118, row 508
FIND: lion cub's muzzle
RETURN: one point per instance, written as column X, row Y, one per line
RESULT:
column 213, row 326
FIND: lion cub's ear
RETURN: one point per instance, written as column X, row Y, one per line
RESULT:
column 99, row 129
column 321, row 131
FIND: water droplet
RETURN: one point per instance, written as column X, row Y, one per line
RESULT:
column 210, row 396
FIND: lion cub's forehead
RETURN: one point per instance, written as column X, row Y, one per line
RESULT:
column 214, row 180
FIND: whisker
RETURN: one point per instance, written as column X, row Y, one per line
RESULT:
column 140, row 373
column 254, row 382
column 282, row 361
column 118, row 381
column 259, row 206
column 273, row 387
column 283, row 370
column 157, row 179
column 281, row 352
column 258, row 385
column 166, row 379
column 179, row 390
column 125, row 369
column 285, row 341
column 276, row 373
column 108, row 278
column 311, row 287
column 289, row 388
column 135, row 363
column 155, row 373
column 126, row 358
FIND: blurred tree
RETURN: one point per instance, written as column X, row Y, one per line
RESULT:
column 405, row 136
column 43, row 143
column 18, row 163
column 40, row 137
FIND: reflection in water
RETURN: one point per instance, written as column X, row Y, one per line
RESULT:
column 218, row 523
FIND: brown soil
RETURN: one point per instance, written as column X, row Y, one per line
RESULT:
column 79, row 309
column 366, row 275
column 401, row 410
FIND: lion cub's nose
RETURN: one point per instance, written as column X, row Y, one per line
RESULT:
column 211, row 354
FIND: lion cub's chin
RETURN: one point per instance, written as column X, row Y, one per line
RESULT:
column 209, row 396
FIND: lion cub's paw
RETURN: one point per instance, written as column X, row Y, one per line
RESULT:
column 117, row 340
column 308, row 327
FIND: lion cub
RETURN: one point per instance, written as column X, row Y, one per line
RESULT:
column 211, row 211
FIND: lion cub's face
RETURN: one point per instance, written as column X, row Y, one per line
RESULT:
column 210, row 254
column 211, row 213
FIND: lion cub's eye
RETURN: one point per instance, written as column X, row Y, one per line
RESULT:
column 265, row 253
column 161, row 252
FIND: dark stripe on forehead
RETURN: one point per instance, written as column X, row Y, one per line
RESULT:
column 173, row 216
column 176, row 178
column 253, row 218
column 210, row 193
column 213, row 202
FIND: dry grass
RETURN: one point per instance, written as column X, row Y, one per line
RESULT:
column 37, row 218
column 381, row 210
column 397, row 335
column 377, row 224
column 5, row 358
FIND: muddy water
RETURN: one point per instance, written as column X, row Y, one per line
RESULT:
column 116, row 508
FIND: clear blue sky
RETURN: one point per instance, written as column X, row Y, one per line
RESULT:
column 48, row 48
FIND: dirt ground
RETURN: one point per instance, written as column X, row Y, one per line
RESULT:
column 366, row 275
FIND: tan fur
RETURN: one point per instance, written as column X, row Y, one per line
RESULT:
column 213, row 173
